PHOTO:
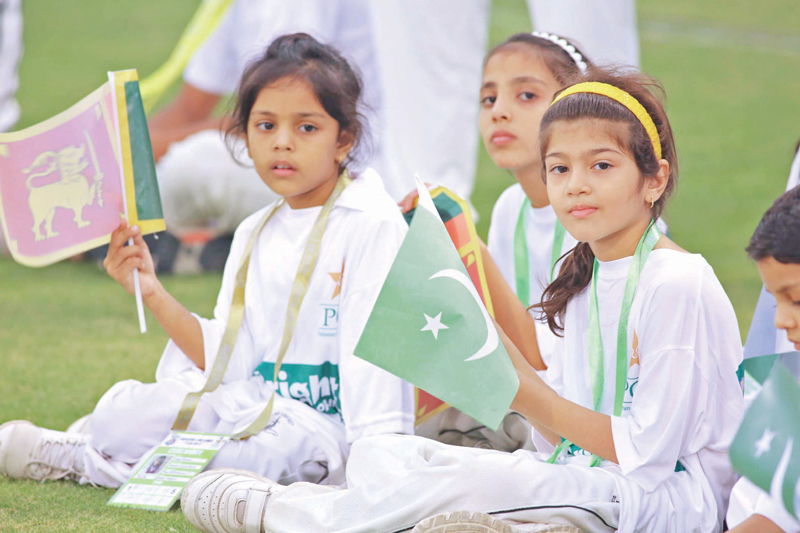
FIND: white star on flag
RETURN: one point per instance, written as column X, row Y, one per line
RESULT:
column 764, row 444
column 434, row 325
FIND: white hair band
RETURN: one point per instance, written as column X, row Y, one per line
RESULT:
column 576, row 56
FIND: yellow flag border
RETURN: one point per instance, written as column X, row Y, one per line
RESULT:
column 147, row 226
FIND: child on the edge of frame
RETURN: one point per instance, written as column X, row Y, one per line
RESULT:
column 334, row 241
column 641, row 400
column 775, row 248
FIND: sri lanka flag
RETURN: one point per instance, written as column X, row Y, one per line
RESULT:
column 65, row 183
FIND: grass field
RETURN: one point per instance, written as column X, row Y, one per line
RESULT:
column 67, row 332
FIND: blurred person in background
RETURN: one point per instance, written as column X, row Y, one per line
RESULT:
column 421, row 61
column 10, row 55
column 604, row 30
column 202, row 186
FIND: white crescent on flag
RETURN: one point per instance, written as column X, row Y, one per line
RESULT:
column 492, row 339
column 776, row 487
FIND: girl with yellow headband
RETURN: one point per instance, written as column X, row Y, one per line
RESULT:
column 641, row 399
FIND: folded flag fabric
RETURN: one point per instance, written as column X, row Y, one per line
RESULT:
column 457, row 218
column 430, row 327
column 766, row 449
column 64, row 183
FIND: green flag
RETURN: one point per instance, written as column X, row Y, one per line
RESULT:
column 430, row 327
column 766, row 449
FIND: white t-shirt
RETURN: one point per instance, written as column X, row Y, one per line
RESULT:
column 747, row 499
column 686, row 402
column 539, row 231
column 364, row 232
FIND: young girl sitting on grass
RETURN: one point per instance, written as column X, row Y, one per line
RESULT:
column 313, row 264
column 641, row 399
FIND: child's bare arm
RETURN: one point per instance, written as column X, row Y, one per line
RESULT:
column 509, row 312
column 180, row 325
column 553, row 416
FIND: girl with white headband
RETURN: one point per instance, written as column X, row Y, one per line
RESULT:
column 520, row 78
column 640, row 402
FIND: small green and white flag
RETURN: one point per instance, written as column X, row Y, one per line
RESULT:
column 766, row 449
column 430, row 327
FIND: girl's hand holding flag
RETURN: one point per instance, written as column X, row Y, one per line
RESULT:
column 177, row 321
column 121, row 260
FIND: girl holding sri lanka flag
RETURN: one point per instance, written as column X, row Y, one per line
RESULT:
column 614, row 454
column 274, row 367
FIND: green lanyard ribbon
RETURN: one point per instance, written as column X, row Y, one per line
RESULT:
column 521, row 257
column 301, row 281
column 596, row 358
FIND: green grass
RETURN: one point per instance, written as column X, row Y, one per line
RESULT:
column 68, row 332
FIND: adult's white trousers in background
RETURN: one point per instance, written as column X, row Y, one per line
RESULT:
column 203, row 186
column 605, row 31
column 430, row 56
column 10, row 55
column 394, row 482
column 132, row 418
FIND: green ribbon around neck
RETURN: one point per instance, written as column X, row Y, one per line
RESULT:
column 521, row 256
column 596, row 365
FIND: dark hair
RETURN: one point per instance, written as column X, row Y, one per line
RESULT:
column 335, row 83
column 778, row 233
column 577, row 264
column 559, row 61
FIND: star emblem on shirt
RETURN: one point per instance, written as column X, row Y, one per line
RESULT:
column 434, row 325
column 337, row 279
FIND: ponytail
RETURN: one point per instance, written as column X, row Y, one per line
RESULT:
column 574, row 276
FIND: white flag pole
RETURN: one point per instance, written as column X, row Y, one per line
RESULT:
column 137, row 289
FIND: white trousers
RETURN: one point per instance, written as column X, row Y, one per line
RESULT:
column 132, row 418
column 395, row 481
column 202, row 186
column 605, row 31
column 10, row 55
column 430, row 62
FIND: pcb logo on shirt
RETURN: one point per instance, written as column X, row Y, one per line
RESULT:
column 329, row 309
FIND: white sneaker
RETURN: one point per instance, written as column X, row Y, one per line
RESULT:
column 465, row 521
column 462, row 521
column 31, row 452
column 81, row 425
column 227, row 500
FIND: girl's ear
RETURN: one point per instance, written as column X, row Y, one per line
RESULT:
column 345, row 145
column 658, row 183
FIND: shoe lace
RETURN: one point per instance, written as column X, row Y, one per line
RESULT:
column 56, row 458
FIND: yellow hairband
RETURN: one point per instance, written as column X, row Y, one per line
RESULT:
column 615, row 93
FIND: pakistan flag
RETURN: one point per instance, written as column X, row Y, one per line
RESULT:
column 430, row 327
column 766, row 450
